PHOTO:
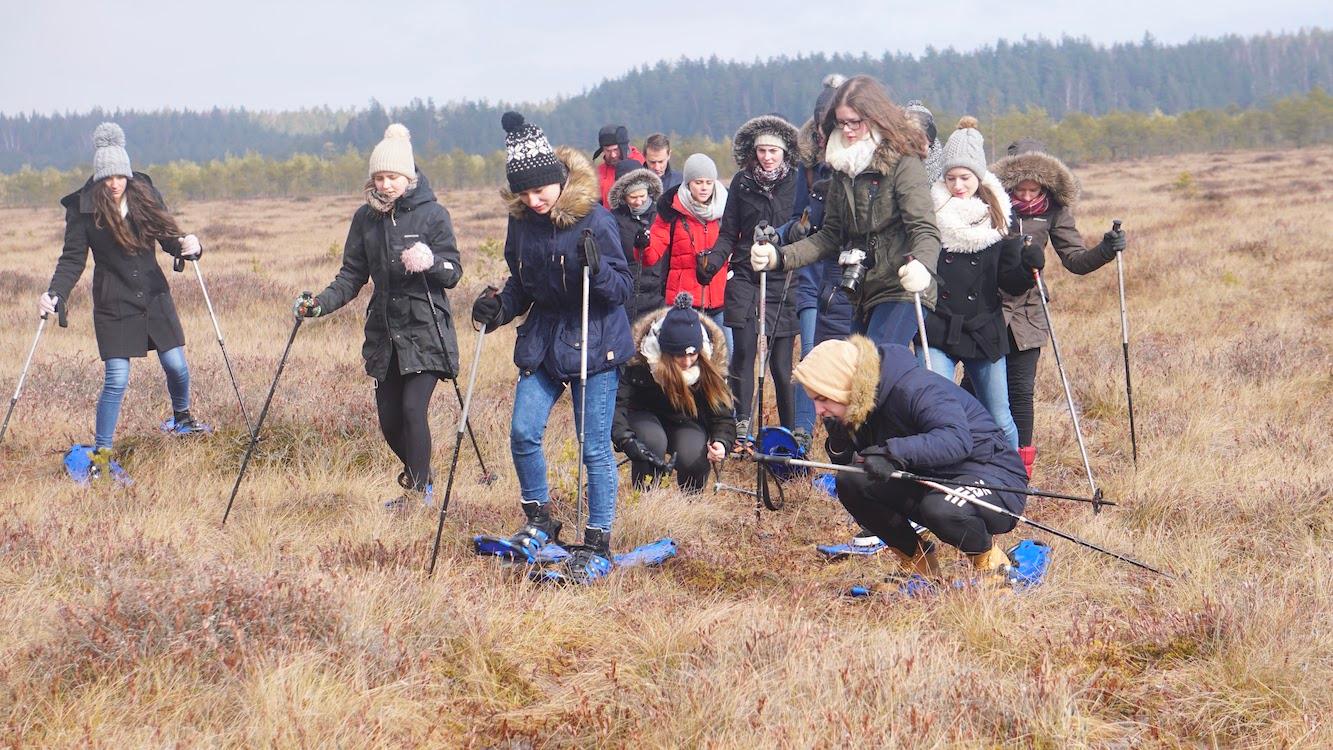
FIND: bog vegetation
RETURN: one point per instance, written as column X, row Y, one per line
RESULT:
column 129, row 618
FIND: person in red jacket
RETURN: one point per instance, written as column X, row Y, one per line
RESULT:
column 613, row 146
column 688, row 217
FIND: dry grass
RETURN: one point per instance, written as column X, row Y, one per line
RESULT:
column 129, row 618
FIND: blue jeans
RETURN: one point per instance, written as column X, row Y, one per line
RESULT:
column 991, row 383
column 118, row 378
column 890, row 323
column 534, row 397
column 726, row 332
column 805, row 408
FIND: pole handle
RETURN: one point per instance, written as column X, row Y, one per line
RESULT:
column 178, row 264
column 1115, row 225
column 62, row 313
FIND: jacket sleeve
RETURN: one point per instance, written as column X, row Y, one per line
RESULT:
column 613, row 285
column 73, row 257
column 448, row 268
column 658, row 237
column 912, row 190
column 353, row 275
column 831, row 235
column 514, row 299
column 1013, row 277
column 799, row 205
column 1068, row 244
column 943, row 437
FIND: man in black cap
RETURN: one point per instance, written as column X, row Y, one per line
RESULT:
column 613, row 146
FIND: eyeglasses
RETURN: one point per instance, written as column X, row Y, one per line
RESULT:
column 849, row 124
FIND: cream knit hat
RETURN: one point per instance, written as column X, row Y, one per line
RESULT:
column 394, row 153
column 828, row 370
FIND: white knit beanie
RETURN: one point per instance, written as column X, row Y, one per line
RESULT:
column 394, row 153
column 698, row 166
column 110, row 157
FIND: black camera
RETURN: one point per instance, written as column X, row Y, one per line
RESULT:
column 852, row 275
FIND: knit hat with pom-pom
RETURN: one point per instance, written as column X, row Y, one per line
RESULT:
column 966, row 148
column 109, row 157
column 529, row 159
column 681, row 333
column 394, row 153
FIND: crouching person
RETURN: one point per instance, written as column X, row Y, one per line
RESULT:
column 674, row 398
column 886, row 413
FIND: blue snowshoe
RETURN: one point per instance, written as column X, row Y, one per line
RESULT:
column 527, row 543
column 597, row 563
column 1031, row 562
column 86, row 465
column 181, row 423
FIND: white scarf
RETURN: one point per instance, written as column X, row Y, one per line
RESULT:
column 717, row 203
column 851, row 159
column 124, row 207
column 964, row 223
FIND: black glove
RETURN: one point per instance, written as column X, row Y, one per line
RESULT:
column 486, row 310
column 636, row 450
column 764, row 232
column 1034, row 255
column 589, row 255
column 1114, row 240
column 641, row 239
column 307, row 306
column 880, row 463
column 838, row 445
column 703, row 269
column 799, row 229
column 820, row 188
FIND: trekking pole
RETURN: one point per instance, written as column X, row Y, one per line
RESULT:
column 921, row 325
column 760, row 478
column 1064, row 379
column 23, row 374
column 1124, row 345
column 909, row 476
column 458, row 443
column 1016, row 516
column 217, row 330
column 254, row 434
column 487, row 478
column 583, row 387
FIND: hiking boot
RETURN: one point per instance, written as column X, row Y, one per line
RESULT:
column 99, row 466
column 993, row 565
column 182, row 423
column 539, row 530
column 922, row 562
column 865, row 538
column 744, row 445
column 592, row 559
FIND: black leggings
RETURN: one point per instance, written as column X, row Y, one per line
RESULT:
column 688, row 442
column 740, row 372
column 886, row 507
column 402, row 402
column 1022, row 371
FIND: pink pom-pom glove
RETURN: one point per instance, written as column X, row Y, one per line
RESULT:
column 418, row 258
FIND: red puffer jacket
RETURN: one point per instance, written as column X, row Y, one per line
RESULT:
column 678, row 233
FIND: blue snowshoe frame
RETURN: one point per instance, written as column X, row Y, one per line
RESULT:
column 78, row 462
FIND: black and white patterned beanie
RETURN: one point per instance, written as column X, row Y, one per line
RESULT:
column 529, row 159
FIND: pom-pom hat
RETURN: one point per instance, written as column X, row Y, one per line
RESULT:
column 529, row 159
column 966, row 148
column 681, row 331
column 394, row 153
column 109, row 155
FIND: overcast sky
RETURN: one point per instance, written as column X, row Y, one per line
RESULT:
column 70, row 55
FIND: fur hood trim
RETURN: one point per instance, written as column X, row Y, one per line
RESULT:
column 578, row 198
column 1043, row 169
column 717, row 340
column 865, row 382
column 641, row 177
column 811, row 155
column 965, row 224
column 743, row 143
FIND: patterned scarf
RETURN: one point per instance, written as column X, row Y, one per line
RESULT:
column 379, row 202
column 770, row 177
column 1035, row 207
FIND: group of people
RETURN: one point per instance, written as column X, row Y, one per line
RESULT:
column 862, row 217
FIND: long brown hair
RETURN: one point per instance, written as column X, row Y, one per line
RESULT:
column 151, row 220
column 871, row 101
column 711, row 384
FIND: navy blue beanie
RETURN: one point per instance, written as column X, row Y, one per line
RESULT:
column 681, row 331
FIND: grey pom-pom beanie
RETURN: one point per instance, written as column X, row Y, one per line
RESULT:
column 966, row 148
column 109, row 155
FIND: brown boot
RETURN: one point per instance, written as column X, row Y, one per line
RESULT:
column 993, row 565
column 923, row 563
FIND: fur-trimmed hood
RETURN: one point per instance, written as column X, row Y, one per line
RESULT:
column 642, row 329
column 865, row 382
column 641, row 177
column 1043, row 169
column 579, row 197
column 964, row 224
column 811, row 154
column 743, row 142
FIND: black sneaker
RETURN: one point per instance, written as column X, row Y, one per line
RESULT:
column 539, row 531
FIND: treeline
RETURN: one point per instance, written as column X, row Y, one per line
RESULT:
column 709, row 98
column 1294, row 121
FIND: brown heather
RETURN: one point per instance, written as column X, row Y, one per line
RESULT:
column 129, row 618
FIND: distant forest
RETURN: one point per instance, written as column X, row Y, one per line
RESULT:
column 707, row 99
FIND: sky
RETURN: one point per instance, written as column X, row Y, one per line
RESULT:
column 69, row 56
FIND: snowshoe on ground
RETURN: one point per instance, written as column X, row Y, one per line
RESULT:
column 864, row 544
column 525, row 544
column 86, row 465
column 181, row 423
column 586, row 562
column 645, row 555
column 827, row 483
column 780, row 442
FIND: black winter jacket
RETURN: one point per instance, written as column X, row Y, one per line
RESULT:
column 132, row 306
column 399, row 316
column 747, row 205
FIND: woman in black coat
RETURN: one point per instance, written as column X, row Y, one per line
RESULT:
column 119, row 215
column 764, row 190
column 402, row 239
column 633, row 201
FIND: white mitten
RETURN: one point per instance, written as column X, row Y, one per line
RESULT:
column 913, row 276
column 418, row 258
column 190, row 247
column 764, row 256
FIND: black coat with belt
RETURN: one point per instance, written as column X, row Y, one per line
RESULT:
column 132, row 306
column 399, row 318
